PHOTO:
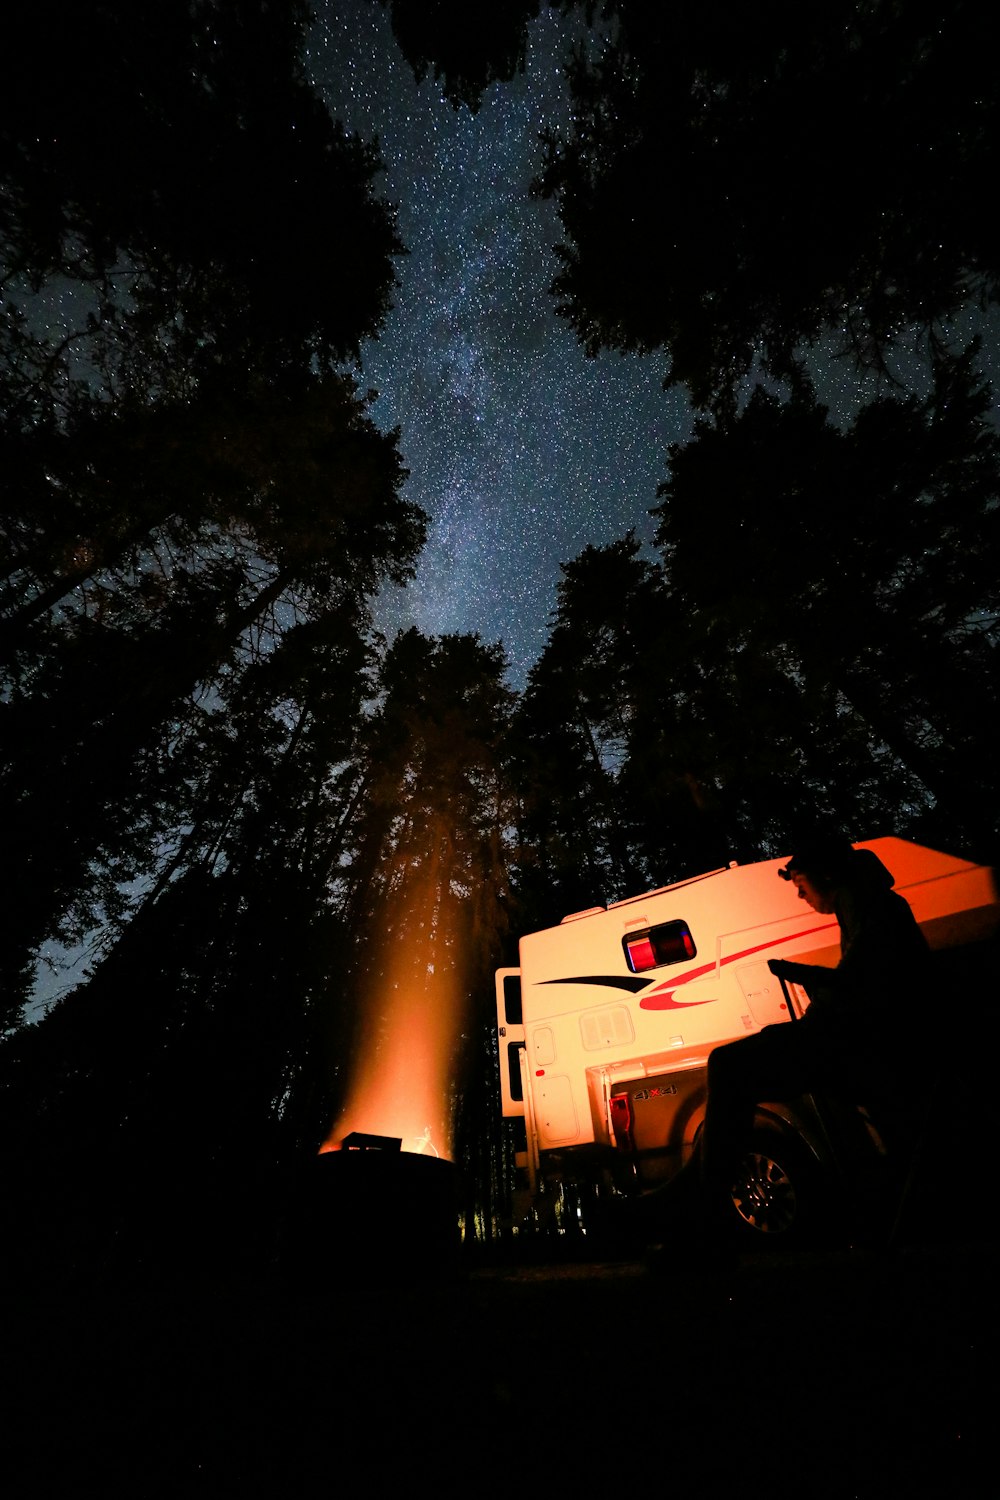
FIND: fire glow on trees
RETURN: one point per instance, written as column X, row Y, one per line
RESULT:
column 403, row 1065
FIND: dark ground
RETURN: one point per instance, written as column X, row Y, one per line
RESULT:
column 821, row 1373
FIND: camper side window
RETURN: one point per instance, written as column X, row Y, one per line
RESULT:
column 514, row 1071
column 512, row 1000
column 651, row 948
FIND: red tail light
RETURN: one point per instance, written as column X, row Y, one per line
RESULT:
column 621, row 1121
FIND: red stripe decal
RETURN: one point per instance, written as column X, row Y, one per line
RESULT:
column 662, row 997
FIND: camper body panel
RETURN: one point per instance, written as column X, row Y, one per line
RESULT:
column 590, row 1021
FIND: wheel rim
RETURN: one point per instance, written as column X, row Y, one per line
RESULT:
column 764, row 1195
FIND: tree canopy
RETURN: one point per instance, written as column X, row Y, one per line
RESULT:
column 171, row 162
column 191, row 247
column 738, row 183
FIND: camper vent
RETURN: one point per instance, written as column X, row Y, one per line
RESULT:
column 606, row 1028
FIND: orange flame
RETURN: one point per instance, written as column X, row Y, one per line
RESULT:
column 401, row 1079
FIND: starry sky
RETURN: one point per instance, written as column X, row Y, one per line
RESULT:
column 520, row 449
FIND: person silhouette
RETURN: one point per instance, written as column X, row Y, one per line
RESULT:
column 856, row 1037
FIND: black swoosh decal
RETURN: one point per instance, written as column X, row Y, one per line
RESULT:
column 611, row 981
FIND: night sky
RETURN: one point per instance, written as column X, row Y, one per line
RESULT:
column 521, row 449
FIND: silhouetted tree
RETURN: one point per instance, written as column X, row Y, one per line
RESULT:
column 172, row 163
column 864, row 563
column 427, row 893
column 200, row 1055
column 466, row 51
column 738, row 182
column 572, row 729
column 633, row 760
column 100, row 700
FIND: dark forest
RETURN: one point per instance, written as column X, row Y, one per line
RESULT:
column 220, row 777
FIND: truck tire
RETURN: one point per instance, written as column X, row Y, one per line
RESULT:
column 775, row 1194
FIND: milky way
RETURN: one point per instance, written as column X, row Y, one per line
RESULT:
column 520, row 449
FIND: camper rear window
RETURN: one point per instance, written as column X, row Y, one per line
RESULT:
column 668, row 943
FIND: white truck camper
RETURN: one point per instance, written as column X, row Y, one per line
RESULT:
column 606, row 1026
